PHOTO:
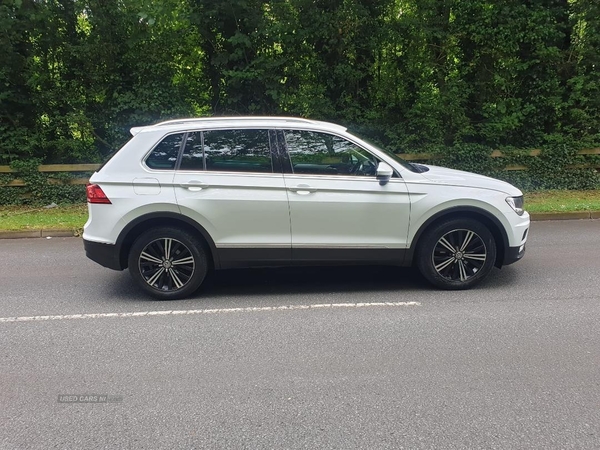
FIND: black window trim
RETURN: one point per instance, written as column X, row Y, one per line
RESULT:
column 276, row 161
column 280, row 149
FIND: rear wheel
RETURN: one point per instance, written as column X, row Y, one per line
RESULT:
column 168, row 263
column 456, row 254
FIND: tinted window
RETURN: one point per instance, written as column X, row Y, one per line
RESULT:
column 237, row 151
column 325, row 154
column 193, row 157
column 164, row 155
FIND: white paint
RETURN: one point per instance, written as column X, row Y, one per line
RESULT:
column 189, row 312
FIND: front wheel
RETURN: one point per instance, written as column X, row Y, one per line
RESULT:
column 456, row 254
column 168, row 263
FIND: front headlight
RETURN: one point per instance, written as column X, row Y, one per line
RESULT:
column 516, row 203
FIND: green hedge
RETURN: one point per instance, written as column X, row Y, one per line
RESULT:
column 549, row 170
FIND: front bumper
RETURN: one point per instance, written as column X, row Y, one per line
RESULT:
column 106, row 255
column 513, row 254
column 518, row 233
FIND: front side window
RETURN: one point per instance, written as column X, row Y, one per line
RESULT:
column 228, row 151
column 325, row 154
column 164, row 155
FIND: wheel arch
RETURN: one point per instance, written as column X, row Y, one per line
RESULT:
column 165, row 218
column 462, row 212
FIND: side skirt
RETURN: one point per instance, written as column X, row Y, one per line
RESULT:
column 276, row 257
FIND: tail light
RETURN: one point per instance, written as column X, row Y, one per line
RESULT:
column 95, row 194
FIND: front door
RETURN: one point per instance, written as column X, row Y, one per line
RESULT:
column 338, row 209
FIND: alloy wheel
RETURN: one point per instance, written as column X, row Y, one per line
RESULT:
column 166, row 264
column 459, row 254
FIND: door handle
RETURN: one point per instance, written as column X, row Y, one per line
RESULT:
column 303, row 189
column 194, row 185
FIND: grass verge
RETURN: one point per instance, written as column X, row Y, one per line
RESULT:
column 24, row 218
column 562, row 201
column 73, row 217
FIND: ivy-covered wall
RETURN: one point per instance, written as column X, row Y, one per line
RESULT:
column 41, row 188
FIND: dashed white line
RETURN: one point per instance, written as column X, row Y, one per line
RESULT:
column 187, row 312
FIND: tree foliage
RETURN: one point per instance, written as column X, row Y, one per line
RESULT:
column 413, row 75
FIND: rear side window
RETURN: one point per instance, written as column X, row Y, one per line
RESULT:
column 228, row 151
column 193, row 156
column 164, row 155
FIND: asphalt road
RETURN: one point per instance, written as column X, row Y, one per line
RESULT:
column 514, row 363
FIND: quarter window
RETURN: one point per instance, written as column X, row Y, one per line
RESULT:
column 325, row 154
column 164, row 155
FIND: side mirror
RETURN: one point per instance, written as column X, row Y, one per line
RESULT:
column 384, row 173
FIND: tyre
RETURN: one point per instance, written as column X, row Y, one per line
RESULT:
column 168, row 263
column 456, row 254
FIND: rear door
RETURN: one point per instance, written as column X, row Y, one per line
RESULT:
column 230, row 182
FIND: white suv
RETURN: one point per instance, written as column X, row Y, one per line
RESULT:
column 186, row 196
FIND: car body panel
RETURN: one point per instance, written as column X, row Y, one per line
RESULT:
column 238, row 210
column 451, row 177
column 347, row 212
column 428, row 200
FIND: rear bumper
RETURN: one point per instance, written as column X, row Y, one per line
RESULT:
column 106, row 255
column 513, row 254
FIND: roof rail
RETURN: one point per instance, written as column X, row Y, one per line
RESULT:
column 199, row 120
column 223, row 118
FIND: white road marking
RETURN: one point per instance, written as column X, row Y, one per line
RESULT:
column 188, row 312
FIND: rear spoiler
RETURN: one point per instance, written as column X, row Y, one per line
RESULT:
column 136, row 130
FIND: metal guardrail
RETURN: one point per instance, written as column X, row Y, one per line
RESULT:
column 406, row 156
